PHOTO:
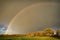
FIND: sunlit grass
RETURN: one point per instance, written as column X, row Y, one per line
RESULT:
column 27, row 38
column 39, row 38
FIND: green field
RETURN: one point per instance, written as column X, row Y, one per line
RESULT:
column 27, row 38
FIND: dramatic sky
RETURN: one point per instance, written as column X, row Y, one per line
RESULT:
column 29, row 16
column 35, row 17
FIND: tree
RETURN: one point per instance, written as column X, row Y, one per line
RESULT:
column 29, row 34
column 49, row 32
column 38, row 33
column 58, row 32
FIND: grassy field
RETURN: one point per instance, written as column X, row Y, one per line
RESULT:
column 27, row 38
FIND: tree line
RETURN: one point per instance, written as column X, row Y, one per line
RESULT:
column 45, row 32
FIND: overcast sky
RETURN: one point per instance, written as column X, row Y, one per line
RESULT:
column 28, row 16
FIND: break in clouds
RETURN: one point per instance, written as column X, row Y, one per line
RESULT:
column 3, row 28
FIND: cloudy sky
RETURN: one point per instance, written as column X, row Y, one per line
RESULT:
column 21, row 17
